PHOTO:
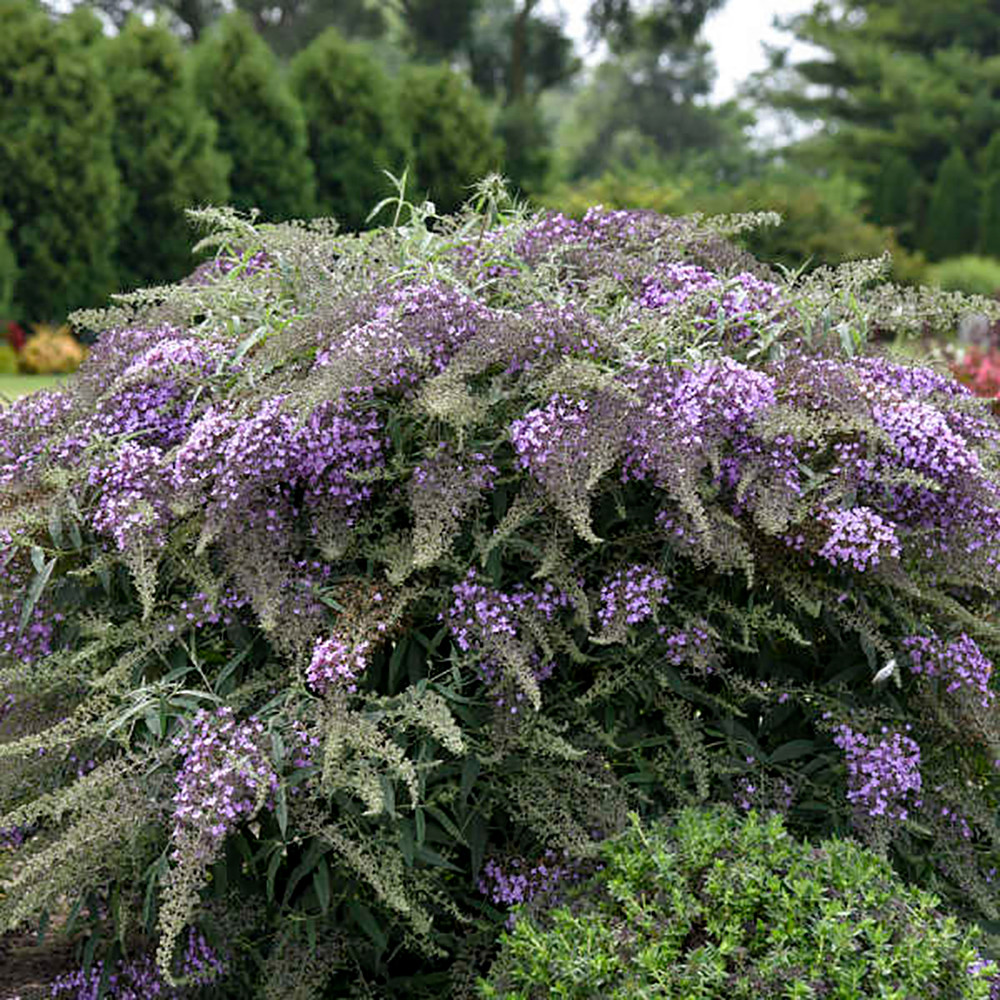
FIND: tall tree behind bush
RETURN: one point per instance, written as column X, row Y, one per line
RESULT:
column 58, row 181
column 8, row 267
column 895, row 196
column 453, row 141
column 953, row 213
column 262, row 128
column 989, row 205
column 353, row 125
column 164, row 144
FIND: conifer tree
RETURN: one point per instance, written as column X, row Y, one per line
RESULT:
column 353, row 122
column 989, row 206
column 895, row 196
column 8, row 270
column 453, row 141
column 164, row 144
column 261, row 125
column 953, row 213
column 58, row 180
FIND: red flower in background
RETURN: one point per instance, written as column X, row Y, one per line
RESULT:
column 980, row 371
column 15, row 335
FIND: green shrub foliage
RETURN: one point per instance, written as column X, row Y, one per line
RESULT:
column 989, row 209
column 969, row 273
column 164, row 145
column 262, row 128
column 954, row 211
column 354, row 127
column 452, row 135
column 715, row 906
column 8, row 268
column 60, row 186
column 360, row 575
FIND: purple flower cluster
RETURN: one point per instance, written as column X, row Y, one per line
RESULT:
column 745, row 302
column 140, row 979
column 691, row 645
column 35, row 641
column 28, row 428
column 990, row 971
column 479, row 616
column 959, row 663
column 860, row 537
column 131, row 504
column 238, row 464
column 632, row 595
column 883, row 779
column 550, row 441
column 337, row 664
column 518, row 881
column 225, row 778
column 415, row 331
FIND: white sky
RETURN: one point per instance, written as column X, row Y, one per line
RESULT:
column 735, row 34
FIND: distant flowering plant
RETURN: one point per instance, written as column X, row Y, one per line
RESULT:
column 363, row 563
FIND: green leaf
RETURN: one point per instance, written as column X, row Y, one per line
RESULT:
column 321, row 883
column 791, row 750
column 364, row 918
column 477, row 844
column 281, row 809
column 470, row 771
column 434, row 859
column 421, row 822
column 272, row 870
column 38, row 582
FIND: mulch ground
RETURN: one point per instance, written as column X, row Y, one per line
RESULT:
column 27, row 968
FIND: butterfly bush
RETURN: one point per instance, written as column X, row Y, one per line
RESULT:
column 356, row 564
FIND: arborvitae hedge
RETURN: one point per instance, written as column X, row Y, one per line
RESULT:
column 58, row 181
column 8, row 268
column 354, row 126
column 989, row 205
column 953, row 214
column 453, row 141
column 164, row 145
column 261, row 125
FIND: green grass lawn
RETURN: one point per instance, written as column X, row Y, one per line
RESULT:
column 12, row 386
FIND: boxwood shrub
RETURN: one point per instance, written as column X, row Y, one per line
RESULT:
column 359, row 586
column 713, row 905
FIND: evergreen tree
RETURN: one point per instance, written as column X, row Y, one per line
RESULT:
column 8, row 270
column 453, row 141
column 164, row 144
column 353, row 125
column 262, row 127
column 896, row 196
column 58, row 181
column 953, row 213
column 989, row 208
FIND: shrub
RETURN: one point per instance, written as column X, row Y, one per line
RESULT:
column 451, row 133
column 262, row 128
column 60, row 185
column 8, row 359
column 952, row 225
column 51, row 351
column 714, row 905
column 968, row 273
column 377, row 579
column 353, row 123
column 164, row 146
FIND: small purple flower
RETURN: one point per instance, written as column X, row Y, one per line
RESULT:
column 859, row 536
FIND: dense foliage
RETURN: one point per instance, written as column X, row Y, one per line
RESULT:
column 354, row 127
column 60, row 186
column 453, row 144
column 713, row 906
column 164, row 147
column 261, row 124
column 359, row 586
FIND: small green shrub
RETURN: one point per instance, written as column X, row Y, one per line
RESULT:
column 8, row 359
column 717, row 906
column 262, row 127
column 969, row 273
column 353, row 124
column 453, row 141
